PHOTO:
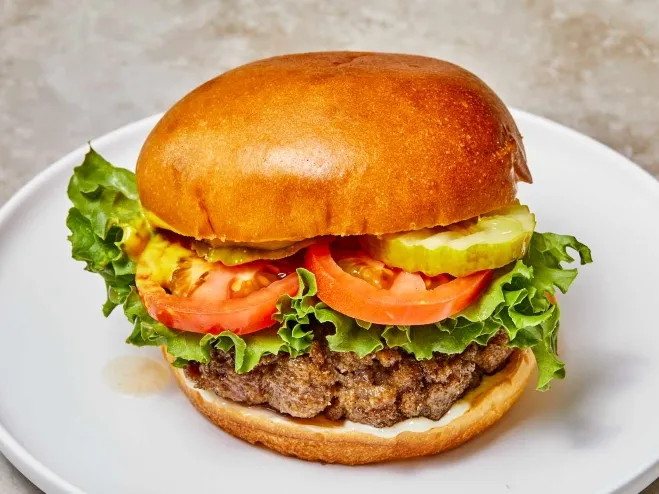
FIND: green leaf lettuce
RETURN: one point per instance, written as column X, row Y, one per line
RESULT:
column 105, row 205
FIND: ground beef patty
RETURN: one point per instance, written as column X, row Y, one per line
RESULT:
column 380, row 389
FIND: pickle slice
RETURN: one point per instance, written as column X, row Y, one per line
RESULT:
column 489, row 241
column 232, row 255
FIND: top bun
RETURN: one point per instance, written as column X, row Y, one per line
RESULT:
column 336, row 143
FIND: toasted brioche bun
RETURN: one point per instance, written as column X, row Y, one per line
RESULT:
column 335, row 143
column 341, row 443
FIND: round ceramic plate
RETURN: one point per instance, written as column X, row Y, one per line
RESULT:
column 596, row 432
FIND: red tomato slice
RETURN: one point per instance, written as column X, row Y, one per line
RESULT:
column 209, row 308
column 407, row 301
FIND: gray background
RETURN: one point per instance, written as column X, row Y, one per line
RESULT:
column 73, row 70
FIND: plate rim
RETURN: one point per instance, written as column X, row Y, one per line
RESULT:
column 49, row 481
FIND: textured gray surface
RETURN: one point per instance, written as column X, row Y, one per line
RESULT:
column 74, row 69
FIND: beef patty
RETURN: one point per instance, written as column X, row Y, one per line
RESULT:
column 380, row 389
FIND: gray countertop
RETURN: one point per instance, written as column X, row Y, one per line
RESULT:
column 72, row 70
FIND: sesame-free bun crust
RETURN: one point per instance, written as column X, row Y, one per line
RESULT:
column 334, row 445
column 335, row 143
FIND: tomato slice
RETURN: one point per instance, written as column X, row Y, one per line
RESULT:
column 197, row 296
column 406, row 302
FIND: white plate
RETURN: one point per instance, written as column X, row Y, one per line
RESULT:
column 596, row 432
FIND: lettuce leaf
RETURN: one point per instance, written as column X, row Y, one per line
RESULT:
column 106, row 207
column 251, row 348
column 105, row 203
column 294, row 313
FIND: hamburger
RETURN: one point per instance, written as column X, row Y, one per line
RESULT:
column 329, row 250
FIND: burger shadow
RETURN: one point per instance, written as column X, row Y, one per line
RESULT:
column 569, row 413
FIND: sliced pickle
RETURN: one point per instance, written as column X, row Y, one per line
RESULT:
column 232, row 255
column 272, row 245
column 489, row 241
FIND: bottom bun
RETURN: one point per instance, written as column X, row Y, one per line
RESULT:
column 349, row 443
